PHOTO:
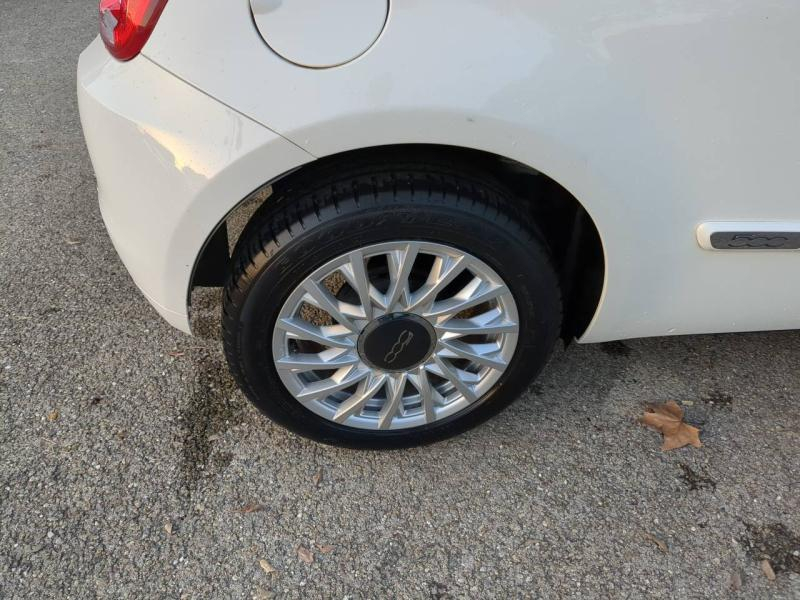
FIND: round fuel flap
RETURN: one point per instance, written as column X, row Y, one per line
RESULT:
column 320, row 33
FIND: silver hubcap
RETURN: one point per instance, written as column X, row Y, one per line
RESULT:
column 395, row 335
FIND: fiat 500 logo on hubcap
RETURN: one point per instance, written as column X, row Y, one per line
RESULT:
column 402, row 341
column 397, row 341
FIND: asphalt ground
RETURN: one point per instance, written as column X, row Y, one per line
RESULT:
column 130, row 465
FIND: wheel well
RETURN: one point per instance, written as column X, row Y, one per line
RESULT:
column 569, row 230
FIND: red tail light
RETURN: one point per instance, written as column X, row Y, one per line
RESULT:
column 125, row 25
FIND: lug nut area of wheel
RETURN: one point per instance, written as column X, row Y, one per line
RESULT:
column 397, row 342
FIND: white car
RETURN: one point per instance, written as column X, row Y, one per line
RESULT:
column 451, row 186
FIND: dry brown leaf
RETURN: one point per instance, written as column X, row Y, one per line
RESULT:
column 766, row 568
column 317, row 479
column 325, row 548
column 168, row 528
column 668, row 419
column 304, row 554
column 251, row 507
column 268, row 568
column 661, row 544
column 53, row 415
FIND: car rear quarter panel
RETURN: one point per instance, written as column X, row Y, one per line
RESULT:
column 162, row 185
column 656, row 115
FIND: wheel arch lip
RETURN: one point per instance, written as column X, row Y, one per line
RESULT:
column 407, row 151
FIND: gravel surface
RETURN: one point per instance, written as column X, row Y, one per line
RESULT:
column 130, row 465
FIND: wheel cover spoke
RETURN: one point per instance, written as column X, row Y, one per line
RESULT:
column 394, row 400
column 300, row 363
column 491, row 321
column 365, row 391
column 473, row 352
column 470, row 333
column 443, row 272
column 355, row 273
column 454, row 377
column 302, row 330
column 426, row 392
column 318, row 296
column 475, row 293
column 400, row 263
column 323, row 388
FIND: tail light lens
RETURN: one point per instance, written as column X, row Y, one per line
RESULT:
column 125, row 25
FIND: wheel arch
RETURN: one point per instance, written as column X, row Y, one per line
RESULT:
column 569, row 229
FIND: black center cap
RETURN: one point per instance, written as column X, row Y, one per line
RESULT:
column 396, row 342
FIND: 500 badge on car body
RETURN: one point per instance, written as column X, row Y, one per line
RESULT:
column 768, row 240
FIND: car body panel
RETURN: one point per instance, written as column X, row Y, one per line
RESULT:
column 163, row 187
column 657, row 116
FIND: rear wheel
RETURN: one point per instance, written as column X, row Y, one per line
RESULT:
column 389, row 306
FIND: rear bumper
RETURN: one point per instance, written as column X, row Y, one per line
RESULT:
column 170, row 162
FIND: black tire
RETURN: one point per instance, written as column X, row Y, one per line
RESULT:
column 324, row 214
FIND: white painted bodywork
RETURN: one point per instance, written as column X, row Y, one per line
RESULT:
column 168, row 160
column 657, row 115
